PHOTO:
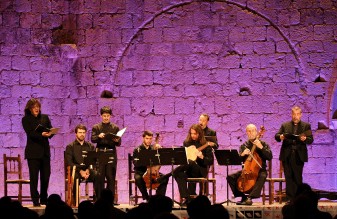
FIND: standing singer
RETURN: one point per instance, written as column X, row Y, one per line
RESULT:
column 295, row 135
column 264, row 152
column 162, row 180
column 37, row 151
column 101, row 134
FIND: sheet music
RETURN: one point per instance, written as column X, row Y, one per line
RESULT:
column 121, row 132
column 54, row 131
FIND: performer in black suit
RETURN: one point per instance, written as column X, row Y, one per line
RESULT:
column 140, row 170
column 195, row 168
column 37, row 151
column 264, row 152
column 203, row 122
column 295, row 135
column 74, row 156
column 101, row 134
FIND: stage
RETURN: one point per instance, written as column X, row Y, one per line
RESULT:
column 257, row 210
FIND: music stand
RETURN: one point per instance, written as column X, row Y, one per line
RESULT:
column 226, row 158
column 173, row 156
column 98, row 157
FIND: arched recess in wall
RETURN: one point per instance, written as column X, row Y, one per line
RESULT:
column 332, row 98
column 123, row 51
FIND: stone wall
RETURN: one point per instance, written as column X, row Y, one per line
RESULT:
column 159, row 64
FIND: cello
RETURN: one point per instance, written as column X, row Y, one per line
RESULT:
column 251, row 168
column 152, row 173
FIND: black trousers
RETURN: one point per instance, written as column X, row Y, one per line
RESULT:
column 293, row 170
column 36, row 167
column 108, row 172
column 181, row 173
column 93, row 177
column 232, row 180
column 140, row 183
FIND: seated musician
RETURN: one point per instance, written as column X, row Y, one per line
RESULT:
column 264, row 152
column 198, row 165
column 161, row 181
column 74, row 156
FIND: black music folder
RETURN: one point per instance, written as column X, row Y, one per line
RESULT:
column 211, row 138
column 228, row 157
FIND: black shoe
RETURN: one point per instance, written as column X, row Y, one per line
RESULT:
column 185, row 202
column 248, row 201
column 36, row 204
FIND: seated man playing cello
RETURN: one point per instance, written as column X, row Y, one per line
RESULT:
column 251, row 178
column 143, row 179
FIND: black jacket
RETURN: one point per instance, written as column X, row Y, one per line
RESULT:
column 37, row 146
column 103, row 142
column 287, row 144
column 74, row 154
column 208, row 157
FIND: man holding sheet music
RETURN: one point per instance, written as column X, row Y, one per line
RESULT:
column 104, row 134
column 295, row 135
column 37, row 152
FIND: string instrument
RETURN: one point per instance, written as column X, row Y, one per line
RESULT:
column 192, row 151
column 70, row 181
column 251, row 169
column 69, row 187
column 152, row 173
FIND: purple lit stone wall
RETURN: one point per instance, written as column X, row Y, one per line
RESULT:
column 165, row 63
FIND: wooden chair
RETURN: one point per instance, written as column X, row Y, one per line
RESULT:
column 13, row 175
column 211, row 180
column 133, row 190
column 204, row 184
column 272, row 195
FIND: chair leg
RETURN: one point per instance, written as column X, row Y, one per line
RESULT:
column 136, row 195
column 272, row 190
column 77, row 193
column 263, row 195
column 214, row 192
column 20, row 193
column 280, row 193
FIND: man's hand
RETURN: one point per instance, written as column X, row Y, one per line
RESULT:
column 200, row 155
column 85, row 173
column 210, row 143
column 282, row 137
column 46, row 134
column 245, row 152
column 258, row 144
column 303, row 137
column 101, row 135
column 157, row 146
column 116, row 139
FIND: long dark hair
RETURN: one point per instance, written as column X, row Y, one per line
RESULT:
column 200, row 132
column 30, row 105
